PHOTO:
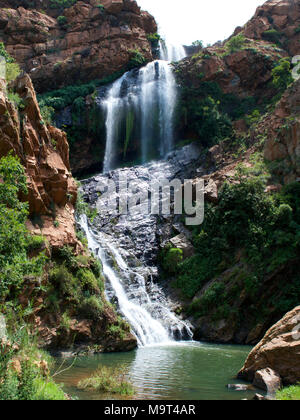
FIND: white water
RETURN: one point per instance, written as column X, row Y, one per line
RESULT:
column 170, row 52
column 148, row 94
column 147, row 330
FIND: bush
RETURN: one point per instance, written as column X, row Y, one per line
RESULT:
column 91, row 308
column 47, row 113
column 88, row 281
column 236, row 43
column 172, row 259
column 273, row 36
column 62, row 21
column 108, row 380
column 61, row 4
column 282, row 75
column 136, row 60
column 24, row 370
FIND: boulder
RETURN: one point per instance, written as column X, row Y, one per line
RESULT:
column 268, row 380
column 279, row 350
column 181, row 242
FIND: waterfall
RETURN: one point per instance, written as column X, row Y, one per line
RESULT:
column 170, row 52
column 139, row 109
column 137, row 309
column 128, row 246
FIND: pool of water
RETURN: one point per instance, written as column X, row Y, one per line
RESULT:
column 183, row 371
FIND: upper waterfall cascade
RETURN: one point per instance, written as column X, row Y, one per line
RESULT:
column 139, row 108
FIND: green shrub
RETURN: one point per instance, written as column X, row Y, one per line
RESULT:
column 62, row 21
column 12, row 68
column 172, row 258
column 282, row 76
column 91, row 307
column 198, row 43
column 136, row 60
column 273, row 35
column 61, row 4
column 108, row 380
column 15, row 99
column 88, row 280
column 236, row 43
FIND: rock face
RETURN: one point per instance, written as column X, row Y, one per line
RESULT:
column 279, row 350
column 282, row 128
column 267, row 380
column 44, row 152
column 87, row 44
column 280, row 15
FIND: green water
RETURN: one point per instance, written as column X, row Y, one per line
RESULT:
column 187, row 371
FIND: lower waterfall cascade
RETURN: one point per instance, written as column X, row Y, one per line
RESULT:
column 127, row 247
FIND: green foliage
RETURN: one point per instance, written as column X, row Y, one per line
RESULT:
column 12, row 68
column 47, row 113
column 61, row 4
column 211, row 299
column 282, row 76
column 154, row 40
column 273, row 35
column 14, row 237
column 171, row 259
column 108, row 380
column 236, row 43
column 24, row 373
column 291, row 393
column 137, row 59
column 265, row 227
column 198, row 43
column 15, row 99
column 62, row 21
column 4, row 53
column 208, row 111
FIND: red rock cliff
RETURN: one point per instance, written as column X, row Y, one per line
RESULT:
column 88, row 43
column 44, row 152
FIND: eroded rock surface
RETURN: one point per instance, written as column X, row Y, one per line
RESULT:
column 279, row 350
column 90, row 43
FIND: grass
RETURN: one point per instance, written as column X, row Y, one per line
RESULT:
column 291, row 393
column 108, row 380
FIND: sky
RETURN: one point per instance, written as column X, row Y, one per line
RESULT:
column 185, row 21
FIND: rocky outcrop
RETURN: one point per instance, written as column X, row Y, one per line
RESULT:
column 44, row 152
column 279, row 350
column 282, row 131
column 282, row 16
column 87, row 43
column 268, row 380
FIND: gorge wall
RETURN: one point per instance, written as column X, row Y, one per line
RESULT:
column 59, row 47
